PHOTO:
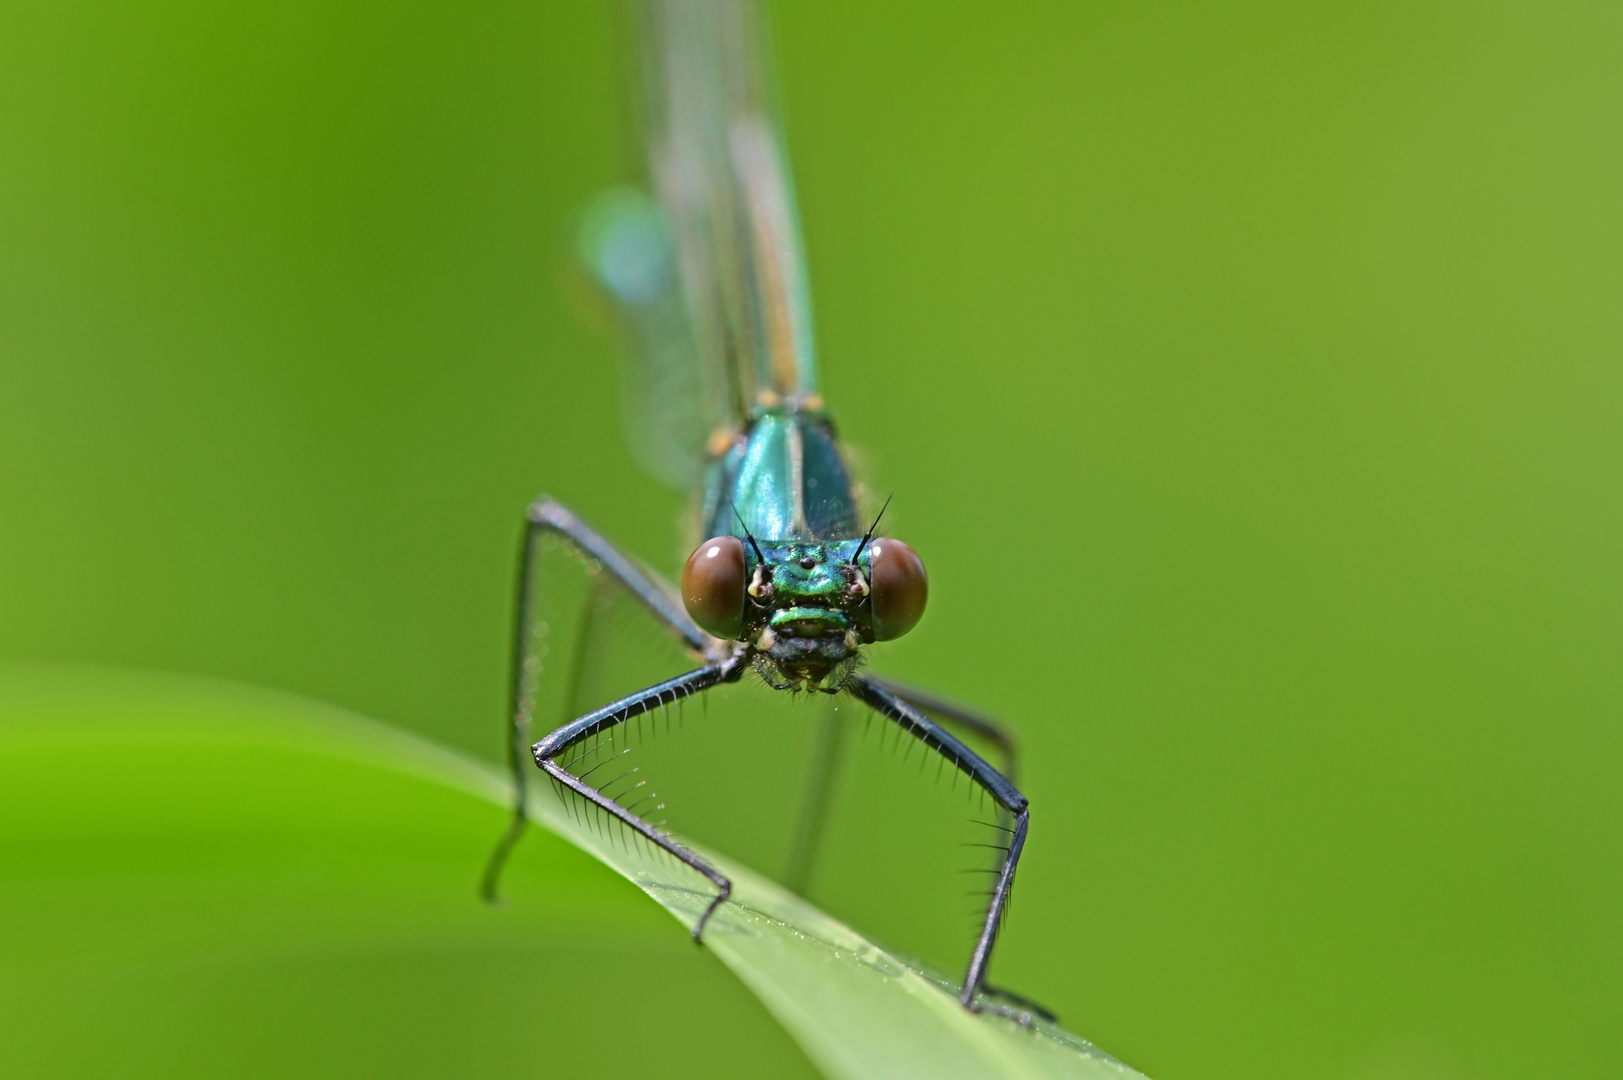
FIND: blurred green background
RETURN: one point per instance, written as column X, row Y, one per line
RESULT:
column 1248, row 375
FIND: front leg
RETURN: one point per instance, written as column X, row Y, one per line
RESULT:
column 953, row 714
column 825, row 763
column 546, row 517
column 1006, row 795
column 548, row 750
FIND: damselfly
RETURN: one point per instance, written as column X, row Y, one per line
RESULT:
column 790, row 585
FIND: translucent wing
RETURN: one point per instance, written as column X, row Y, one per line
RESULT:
column 708, row 275
column 669, row 402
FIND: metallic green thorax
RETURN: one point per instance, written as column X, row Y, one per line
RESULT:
column 785, row 478
column 783, row 488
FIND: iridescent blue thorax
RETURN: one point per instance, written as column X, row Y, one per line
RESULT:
column 783, row 487
column 785, row 477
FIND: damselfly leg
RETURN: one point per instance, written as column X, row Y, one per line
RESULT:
column 821, row 774
column 548, row 517
column 952, row 715
column 1002, row 791
column 557, row 744
column 825, row 766
column 958, row 717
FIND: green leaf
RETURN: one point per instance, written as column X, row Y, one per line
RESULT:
column 163, row 838
column 859, row 1012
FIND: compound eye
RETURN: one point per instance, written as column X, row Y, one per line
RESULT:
column 713, row 586
column 900, row 588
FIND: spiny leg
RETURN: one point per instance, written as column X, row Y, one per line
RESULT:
column 591, row 624
column 956, row 716
column 808, row 840
column 546, row 516
column 548, row 750
column 952, row 715
column 995, row 784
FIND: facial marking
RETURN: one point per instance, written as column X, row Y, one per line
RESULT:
column 802, row 618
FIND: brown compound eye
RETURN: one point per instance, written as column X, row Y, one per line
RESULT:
column 713, row 586
column 900, row 588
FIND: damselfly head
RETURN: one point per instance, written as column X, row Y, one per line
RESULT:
column 805, row 607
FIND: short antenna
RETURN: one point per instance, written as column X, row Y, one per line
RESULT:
column 746, row 529
column 869, row 535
